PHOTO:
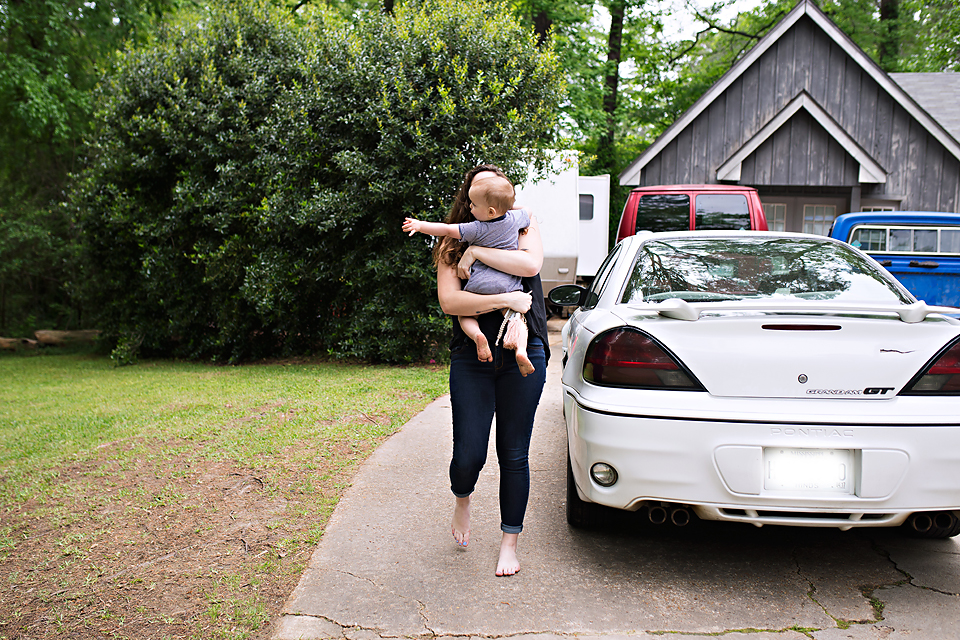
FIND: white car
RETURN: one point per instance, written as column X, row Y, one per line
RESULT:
column 769, row 378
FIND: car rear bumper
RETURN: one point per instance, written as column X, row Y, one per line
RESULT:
column 717, row 467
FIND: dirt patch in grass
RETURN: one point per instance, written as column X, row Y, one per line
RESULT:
column 143, row 539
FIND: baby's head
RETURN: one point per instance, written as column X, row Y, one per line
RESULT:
column 491, row 196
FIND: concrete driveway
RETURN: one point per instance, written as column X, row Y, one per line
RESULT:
column 388, row 567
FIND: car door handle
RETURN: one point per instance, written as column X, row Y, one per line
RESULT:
column 926, row 264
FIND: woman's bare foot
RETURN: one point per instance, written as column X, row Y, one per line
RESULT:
column 526, row 367
column 460, row 527
column 483, row 348
column 508, row 563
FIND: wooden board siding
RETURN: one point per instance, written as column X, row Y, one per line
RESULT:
column 801, row 152
column 950, row 192
column 921, row 172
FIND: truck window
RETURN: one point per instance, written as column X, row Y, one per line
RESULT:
column 949, row 241
column 722, row 211
column 907, row 240
column 869, row 239
column 664, row 212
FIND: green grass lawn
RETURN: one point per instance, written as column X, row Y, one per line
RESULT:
column 177, row 497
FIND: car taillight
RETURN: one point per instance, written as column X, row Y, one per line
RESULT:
column 628, row 358
column 941, row 376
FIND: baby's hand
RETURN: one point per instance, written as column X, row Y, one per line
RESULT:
column 411, row 225
column 466, row 262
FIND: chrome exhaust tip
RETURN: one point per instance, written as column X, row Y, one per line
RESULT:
column 921, row 522
column 680, row 516
column 944, row 520
column 657, row 515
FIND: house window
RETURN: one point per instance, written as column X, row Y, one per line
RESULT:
column 776, row 214
column 818, row 218
column 878, row 208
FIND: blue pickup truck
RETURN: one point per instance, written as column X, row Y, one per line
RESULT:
column 920, row 248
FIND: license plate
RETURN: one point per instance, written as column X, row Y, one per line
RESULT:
column 808, row 470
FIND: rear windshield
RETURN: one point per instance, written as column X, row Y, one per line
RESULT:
column 723, row 211
column 664, row 212
column 733, row 268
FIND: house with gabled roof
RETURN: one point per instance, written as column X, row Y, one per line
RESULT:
column 810, row 121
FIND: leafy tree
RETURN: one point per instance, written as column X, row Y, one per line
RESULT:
column 934, row 44
column 426, row 93
column 595, row 54
column 555, row 20
column 252, row 173
column 170, row 203
column 52, row 53
column 613, row 62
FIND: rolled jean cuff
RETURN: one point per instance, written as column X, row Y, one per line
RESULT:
column 506, row 528
column 464, row 495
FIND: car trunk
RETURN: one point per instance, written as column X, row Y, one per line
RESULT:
column 839, row 357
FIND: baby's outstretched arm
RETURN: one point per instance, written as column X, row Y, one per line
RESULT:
column 412, row 226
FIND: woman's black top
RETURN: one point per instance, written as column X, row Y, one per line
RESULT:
column 490, row 322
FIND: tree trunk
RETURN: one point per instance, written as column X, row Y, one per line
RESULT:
column 888, row 49
column 606, row 156
column 542, row 24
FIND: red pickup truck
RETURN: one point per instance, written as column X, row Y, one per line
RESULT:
column 677, row 207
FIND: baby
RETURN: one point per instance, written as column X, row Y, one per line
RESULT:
column 497, row 226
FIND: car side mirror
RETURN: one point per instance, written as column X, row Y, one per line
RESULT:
column 568, row 295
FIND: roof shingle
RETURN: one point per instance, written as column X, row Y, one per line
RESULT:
column 937, row 93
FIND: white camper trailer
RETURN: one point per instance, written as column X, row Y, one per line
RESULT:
column 594, row 224
column 554, row 202
column 573, row 213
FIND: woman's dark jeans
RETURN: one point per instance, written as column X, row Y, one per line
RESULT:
column 477, row 391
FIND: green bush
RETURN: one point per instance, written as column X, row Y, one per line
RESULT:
column 252, row 172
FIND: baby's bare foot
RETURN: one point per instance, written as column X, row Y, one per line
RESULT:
column 526, row 367
column 460, row 526
column 508, row 564
column 483, row 348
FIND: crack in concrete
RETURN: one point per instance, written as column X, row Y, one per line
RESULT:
column 813, row 587
column 935, row 590
column 422, row 610
column 908, row 579
column 433, row 635
column 841, row 623
column 300, row 614
column 421, row 607
column 883, row 553
column 867, row 592
column 353, row 575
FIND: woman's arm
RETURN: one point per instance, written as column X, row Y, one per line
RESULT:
column 524, row 262
column 456, row 302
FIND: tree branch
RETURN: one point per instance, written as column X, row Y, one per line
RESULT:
column 712, row 25
column 734, row 32
column 696, row 40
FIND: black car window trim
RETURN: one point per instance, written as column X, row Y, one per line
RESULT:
column 603, row 275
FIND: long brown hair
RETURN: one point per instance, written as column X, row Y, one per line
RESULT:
column 449, row 250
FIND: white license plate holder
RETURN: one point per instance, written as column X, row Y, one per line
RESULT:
column 819, row 471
